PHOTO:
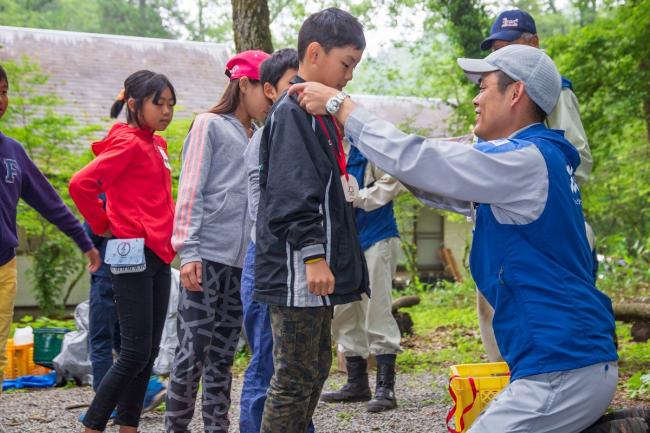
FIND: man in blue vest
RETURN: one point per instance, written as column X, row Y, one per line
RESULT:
column 368, row 326
column 518, row 27
column 530, row 257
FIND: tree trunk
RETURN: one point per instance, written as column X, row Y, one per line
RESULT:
column 632, row 311
column 250, row 19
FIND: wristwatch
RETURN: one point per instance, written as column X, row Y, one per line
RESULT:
column 334, row 103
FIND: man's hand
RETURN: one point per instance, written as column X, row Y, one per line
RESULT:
column 107, row 234
column 192, row 276
column 320, row 280
column 313, row 97
column 94, row 260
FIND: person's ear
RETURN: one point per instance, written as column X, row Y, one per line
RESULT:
column 518, row 90
column 244, row 83
column 269, row 91
column 534, row 41
column 130, row 104
column 314, row 51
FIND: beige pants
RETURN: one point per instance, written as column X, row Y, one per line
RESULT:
column 7, row 298
column 368, row 326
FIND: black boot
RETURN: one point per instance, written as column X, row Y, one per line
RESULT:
column 357, row 388
column 385, row 389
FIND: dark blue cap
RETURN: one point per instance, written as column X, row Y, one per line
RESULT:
column 509, row 26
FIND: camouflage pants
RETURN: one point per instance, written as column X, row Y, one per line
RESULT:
column 302, row 356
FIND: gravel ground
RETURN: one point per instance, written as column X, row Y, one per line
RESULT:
column 422, row 409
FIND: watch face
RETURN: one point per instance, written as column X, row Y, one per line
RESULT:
column 332, row 106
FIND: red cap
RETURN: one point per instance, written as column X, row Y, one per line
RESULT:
column 246, row 64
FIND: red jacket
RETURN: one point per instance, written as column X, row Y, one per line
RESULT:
column 132, row 168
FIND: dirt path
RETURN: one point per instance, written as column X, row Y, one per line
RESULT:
column 422, row 408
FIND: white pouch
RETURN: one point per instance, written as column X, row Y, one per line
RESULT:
column 126, row 256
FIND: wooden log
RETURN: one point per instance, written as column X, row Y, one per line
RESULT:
column 404, row 302
column 450, row 264
column 632, row 311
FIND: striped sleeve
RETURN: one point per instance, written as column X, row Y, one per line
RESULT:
column 197, row 157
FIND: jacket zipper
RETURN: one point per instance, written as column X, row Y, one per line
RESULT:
column 242, row 235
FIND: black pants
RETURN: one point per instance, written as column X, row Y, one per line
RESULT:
column 141, row 299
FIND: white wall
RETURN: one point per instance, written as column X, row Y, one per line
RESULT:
column 456, row 235
column 25, row 295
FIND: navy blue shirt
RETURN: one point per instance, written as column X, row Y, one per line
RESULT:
column 20, row 178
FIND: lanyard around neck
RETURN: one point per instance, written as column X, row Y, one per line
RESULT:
column 340, row 155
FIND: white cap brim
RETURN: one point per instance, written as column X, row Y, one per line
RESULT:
column 475, row 68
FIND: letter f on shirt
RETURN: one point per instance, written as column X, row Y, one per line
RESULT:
column 11, row 167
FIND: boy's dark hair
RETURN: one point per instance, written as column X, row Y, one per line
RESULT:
column 274, row 67
column 3, row 75
column 331, row 28
column 139, row 86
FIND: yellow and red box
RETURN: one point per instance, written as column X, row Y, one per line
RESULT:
column 472, row 387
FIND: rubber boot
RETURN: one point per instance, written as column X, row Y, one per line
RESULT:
column 385, row 389
column 624, row 425
column 356, row 389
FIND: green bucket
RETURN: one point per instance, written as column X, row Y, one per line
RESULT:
column 47, row 344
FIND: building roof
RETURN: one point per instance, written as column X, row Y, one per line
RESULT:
column 88, row 71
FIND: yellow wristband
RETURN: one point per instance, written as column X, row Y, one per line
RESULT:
column 310, row 261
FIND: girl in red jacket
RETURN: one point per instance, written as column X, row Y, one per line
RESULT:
column 132, row 169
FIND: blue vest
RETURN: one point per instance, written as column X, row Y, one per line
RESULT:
column 549, row 316
column 375, row 225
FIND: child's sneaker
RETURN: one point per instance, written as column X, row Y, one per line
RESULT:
column 155, row 394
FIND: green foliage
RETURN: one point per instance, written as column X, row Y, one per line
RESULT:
column 625, row 272
column 607, row 61
column 638, row 386
column 445, row 317
column 42, row 322
column 634, row 357
column 142, row 18
column 407, row 209
column 448, row 305
column 175, row 136
column 48, row 138
column 242, row 359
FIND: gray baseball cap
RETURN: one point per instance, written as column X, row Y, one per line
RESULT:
column 521, row 63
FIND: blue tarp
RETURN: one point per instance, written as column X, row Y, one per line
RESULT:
column 44, row 381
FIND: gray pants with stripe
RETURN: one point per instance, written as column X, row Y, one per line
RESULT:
column 209, row 324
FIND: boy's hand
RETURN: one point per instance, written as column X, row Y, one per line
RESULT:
column 94, row 260
column 320, row 280
column 192, row 276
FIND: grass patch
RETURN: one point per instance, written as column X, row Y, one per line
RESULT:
column 345, row 417
column 446, row 330
column 446, row 333
column 242, row 358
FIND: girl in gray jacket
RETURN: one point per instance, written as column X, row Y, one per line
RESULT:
column 211, row 230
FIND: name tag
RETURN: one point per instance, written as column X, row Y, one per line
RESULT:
column 350, row 188
column 165, row 158
column 125, row 255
